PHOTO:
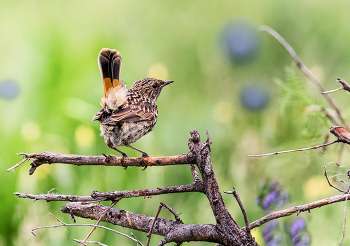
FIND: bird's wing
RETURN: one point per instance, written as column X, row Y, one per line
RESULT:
column 98, row 115
column 143, row 111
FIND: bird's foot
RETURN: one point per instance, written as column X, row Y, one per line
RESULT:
column 144, row 154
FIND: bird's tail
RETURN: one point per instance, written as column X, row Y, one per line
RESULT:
column 109, row 62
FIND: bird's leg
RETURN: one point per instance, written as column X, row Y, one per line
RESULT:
column 144, row 154
column 110, row 145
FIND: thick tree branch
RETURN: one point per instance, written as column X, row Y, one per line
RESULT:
column 110, row 160
column 298, row 209
column 172, row 230
column 227, row 227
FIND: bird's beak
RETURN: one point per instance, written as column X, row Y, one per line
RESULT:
column 168, row 82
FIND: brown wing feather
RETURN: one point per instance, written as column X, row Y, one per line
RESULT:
column 98, row 115
column 133, row 113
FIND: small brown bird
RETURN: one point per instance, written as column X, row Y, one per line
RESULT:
column 126, row 114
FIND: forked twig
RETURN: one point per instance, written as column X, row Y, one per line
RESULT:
column 171, row 210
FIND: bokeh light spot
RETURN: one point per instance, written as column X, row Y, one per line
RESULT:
column 9, row 89
column 223, row 112
column 254, row 97
column 84, row 136
column 316, row 187
column 31, row 131
column 241, row 41
column 158, row 71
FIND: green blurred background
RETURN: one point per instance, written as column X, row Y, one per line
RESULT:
column 49, row 50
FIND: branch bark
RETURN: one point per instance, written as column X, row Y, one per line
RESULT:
column 110, row 160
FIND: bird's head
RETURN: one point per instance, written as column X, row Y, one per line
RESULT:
column 150, row 87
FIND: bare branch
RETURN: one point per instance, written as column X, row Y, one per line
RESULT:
column 154, row 221
column 342, row 238
column 298, row 209
column 80, row 160
column 19, row 163
column 305, row 70
column 345, row 86
column 172, row 230
column 57, row 197
column 92, row 225
column 235, row 194
column 294, row 150
column 136, row 239
column 176, row 215
column 325, row 174
column 112, row 195
column 92, row 242
column 99, row 220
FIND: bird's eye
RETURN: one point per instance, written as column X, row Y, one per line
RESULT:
column 154, row 86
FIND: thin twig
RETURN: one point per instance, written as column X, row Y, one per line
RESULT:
column 341, row 240
column 298, row 209
column 304, row 69
column 325, row 174
column 99, row 220
column 154, row 221
column 293, row 150
column 19, row 163
column 60, row 221
column 326, row 92
column 92, row 242
column 176, row 215
column 235, row 194
column 138, row 241
column 345, row 86
column 99, row 226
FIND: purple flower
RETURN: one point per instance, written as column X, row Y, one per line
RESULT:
column 298, row 234
column 272, row 235
column 272, row 197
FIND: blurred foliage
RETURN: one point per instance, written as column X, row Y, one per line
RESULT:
column 50, row 48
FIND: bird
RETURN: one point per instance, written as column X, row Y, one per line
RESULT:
column 126, row 114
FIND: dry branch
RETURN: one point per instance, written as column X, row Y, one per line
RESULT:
column 172, row 230
column 305, row 70
column 110, row 160
column 298, row 209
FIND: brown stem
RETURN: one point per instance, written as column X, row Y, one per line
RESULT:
column 305, row 70
column 154, row 221
column 172, row 230
column 80, row 160
column 112, row 195
column 298, row 209
column 235, row 194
